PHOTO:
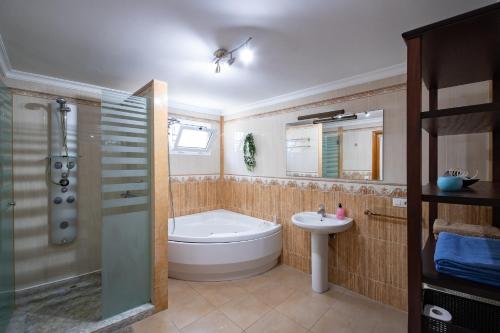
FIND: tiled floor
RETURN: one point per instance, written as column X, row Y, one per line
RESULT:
column 280, row 300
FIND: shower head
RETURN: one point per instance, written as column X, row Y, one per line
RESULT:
column 62, row 105
column 172, row 120
column 61, row 101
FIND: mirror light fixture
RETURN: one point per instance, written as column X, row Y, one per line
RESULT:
column 340, row 117
column 225, row 57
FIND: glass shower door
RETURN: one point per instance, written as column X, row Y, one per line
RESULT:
column 126, row 226
column 6, row 210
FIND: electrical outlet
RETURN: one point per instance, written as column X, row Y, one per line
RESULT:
column 399, row 202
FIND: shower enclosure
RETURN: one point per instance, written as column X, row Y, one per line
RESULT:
column 6, row 210
column 80, row 235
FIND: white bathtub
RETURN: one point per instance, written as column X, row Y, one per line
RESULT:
column 221, row 245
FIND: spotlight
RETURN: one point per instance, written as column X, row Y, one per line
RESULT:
column 224, row 58
column 246, row 55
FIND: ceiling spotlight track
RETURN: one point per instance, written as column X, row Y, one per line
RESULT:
column 222, row 56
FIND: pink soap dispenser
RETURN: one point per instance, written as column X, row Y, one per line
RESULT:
column 340, row 212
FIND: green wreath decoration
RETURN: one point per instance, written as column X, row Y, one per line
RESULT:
column 249, row 152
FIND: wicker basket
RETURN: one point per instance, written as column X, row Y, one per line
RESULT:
column 468, row 315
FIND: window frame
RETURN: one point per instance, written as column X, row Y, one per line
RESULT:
column 194, row 151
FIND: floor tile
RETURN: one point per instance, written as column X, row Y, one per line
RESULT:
column 305, row 308
column 273, row 294
column 219, row 293
column 245, row 311
column 159, row 322
column 190, row 312
column 291, row 278
column 332, row 321
column 215, row 322
column 180, row 293
column 275, row 322
column 280, row 300
column 392, row 321
column 253, row 283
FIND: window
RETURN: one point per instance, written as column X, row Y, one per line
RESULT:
column 191, row 138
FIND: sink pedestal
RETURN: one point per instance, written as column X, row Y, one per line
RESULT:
column 320, row 226
column 319, row 262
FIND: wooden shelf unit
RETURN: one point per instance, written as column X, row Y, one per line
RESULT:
column 479, row 194
column 460, row 50
column 462, row 120
column 431, row 276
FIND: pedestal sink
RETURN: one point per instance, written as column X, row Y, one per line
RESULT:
column 320, row 227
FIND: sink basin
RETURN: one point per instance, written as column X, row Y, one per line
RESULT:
column 320, row 227
column 314, row 222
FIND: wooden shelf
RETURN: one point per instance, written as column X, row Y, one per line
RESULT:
column 460, row 50
column 462, row 120
column 432, row 277
column 480, row 194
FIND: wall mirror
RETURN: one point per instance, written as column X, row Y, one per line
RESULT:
column 336, row 144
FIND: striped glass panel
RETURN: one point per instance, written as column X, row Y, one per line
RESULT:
column 124, row 149
column 123, row 114
column 124, row 187
column 120, row 138
column 123, row 121
column 126, row 271
column 124, row 129
column 120, row 173
column 6, row 210
column 124, row 160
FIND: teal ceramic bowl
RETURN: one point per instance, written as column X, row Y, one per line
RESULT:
column 450, row 183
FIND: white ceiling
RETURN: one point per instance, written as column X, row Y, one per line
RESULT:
column 122, row 44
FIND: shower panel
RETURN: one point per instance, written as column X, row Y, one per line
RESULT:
column 62, row 172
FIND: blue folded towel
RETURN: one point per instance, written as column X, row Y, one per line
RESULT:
column 471, row 258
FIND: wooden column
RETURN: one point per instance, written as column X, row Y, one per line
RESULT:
column 414, row 181
column 221, row 121
column 158, row 125
column 433, row 161
column 495, row 148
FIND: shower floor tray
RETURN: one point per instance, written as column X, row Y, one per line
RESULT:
column 73, row 305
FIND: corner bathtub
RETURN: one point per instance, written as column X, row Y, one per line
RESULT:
column 221, row 245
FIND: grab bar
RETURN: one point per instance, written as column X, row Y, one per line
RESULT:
column 370, row 213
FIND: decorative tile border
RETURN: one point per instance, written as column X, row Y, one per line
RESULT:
column 194, row 178
column 390, row 190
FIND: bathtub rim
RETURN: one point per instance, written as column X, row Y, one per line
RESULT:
column 271, row 229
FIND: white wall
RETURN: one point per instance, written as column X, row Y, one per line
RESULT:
column 185, row 165
column 357, row 150
column 269, row 132
column 464, row 151
column 303, row 156
column 471, row 151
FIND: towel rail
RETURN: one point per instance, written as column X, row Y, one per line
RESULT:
column 370, row 213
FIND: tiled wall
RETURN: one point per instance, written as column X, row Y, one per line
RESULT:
column 196, row 194
column 370, row 258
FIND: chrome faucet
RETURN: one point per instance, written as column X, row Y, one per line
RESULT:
column 322, row 210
